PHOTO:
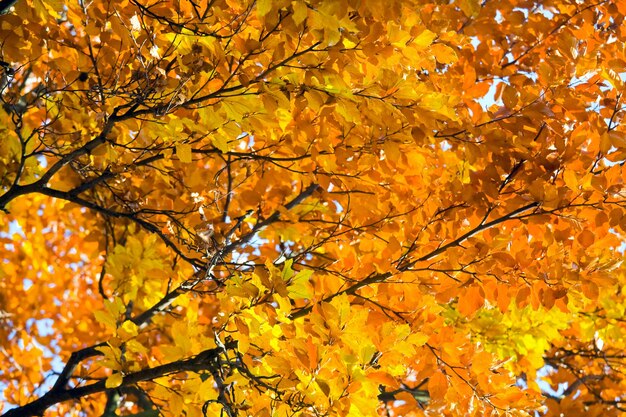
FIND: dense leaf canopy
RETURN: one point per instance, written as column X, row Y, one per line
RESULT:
column 312, row 208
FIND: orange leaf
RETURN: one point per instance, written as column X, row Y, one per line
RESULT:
column 437, row 385
column 471, row 300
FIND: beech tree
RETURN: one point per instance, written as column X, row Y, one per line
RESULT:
column 312, row 208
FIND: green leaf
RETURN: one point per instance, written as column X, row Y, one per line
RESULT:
column 300, row 287
column 287, row 270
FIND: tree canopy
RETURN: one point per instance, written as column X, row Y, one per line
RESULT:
column 312, row 208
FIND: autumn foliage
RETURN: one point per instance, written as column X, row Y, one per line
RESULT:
column 312, row 208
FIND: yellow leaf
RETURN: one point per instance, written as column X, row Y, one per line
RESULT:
column 263, row 7
column 182, row 336
column 417, row 339
column 444, row 54
column 424, row 39
column 111, row 357
column 114, row 380
column 45, row 8
column 135, row 346
column 183, row 151
column 127, row 330
column 112, row 312
column 220, row 142
column 300, row 12
column 104, row 317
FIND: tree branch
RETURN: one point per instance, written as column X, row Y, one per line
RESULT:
column 58, row 394
column 377, row 278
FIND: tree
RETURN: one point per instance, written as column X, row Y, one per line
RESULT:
column 313, row 208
